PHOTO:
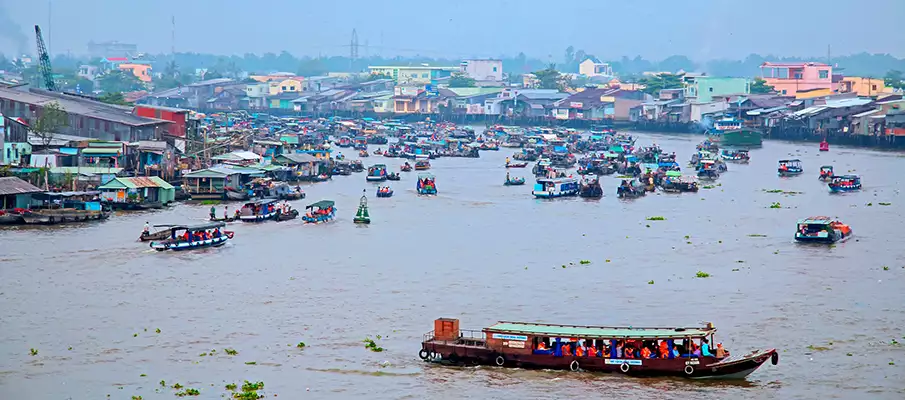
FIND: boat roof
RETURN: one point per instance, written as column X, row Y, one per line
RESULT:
column 322, row 204
column 599, row 331
column 673, row 173
column 425, row 175
column 815, row 220
column 262, row 202
column 539, row 180
column 826, row 166
column 792, row 160
column 379, row 166
column 842, row 177
column 201, row 227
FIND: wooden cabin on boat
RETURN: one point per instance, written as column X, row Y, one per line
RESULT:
column 690, row 352
column 211, row 183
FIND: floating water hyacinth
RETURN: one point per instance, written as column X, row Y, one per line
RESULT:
column 702, row 274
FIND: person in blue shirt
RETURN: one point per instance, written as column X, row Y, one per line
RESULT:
column 705, row 348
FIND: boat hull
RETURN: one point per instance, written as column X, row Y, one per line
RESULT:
column 50, row 218
column 376, row 178
column 842, row 189
column 385, row 194
column 692, row 368
column 543, row 194
column 742, row 137
column 200, row 244
column 789, row 173
column 836, row 237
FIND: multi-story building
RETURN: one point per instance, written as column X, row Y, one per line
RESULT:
column 701, row 89
column 789, row 78
column 593, row 68
column 486, row 70
column 413, row 75
column 866, row 87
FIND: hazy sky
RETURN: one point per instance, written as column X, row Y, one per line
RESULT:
column 654, row 29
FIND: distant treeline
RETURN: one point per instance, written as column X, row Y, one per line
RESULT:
column 862, row 64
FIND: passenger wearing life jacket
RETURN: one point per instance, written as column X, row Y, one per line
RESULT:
column 592, row 351
column 664, row 349
column 720, row 351
column 541, row 345
column 579, row 351
column 645, row 352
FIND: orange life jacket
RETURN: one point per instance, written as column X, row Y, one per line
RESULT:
column 541, row 346
column 579, row 351
column 645, row 353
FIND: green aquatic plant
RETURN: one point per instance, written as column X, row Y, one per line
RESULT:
column 756, row 235
column 136, row 397
column 231, row 387
column 735, row 270
column 370, row 344
column 818, row 348
column 707, row 187
column 885, row 268
column 189, row 392
column 210, row 202
column 157, row 330
column 231, row 352
column 869, row 204
column 657, row 218
column 885, row 204
column 582, row 262
column 33, row 351
column 301, row 345
column 252, row 386
column 203, row 355
column 134, row 335
column 247, row 396
column 177, row 386
column 848, row 354
column 251, row 363
column 702, row 274
column 650, row 282
column 143, row 375
column 163, row 383
column 775, row 205
column 772, row 190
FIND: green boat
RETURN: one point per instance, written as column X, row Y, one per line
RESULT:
column 731, row 132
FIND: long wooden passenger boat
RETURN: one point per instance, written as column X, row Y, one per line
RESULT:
column 662, row 351
column 194, row 237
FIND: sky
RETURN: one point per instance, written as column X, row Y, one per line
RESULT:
column 654, row 29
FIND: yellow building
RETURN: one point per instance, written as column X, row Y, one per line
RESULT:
column 286, row 86
column 867, row 87
column 812, row 93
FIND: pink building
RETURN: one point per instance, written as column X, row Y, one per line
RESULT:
column 788, row 78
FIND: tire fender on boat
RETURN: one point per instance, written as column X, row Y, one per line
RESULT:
column 624, row 367
column 433, row 356
column 689, row 369
column 500, row 360
column 774, row 359
column 574, row 366
column 423, row 354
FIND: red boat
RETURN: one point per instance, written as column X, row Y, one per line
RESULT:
column 824, row 146
column 664, row 351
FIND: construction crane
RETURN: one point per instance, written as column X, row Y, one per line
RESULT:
column 44, row 62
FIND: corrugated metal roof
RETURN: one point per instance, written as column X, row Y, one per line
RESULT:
column 11, row 185
column 79, row 106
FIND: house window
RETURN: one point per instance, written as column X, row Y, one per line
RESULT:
column 873, row 87
column 284, row 88
column 424, row 75
column 711, row 90
column 783, row 91
column 798, row 75
column 494, row 69
column 292, row 88
column 823, row 74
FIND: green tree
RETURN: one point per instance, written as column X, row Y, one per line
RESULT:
column 894, row 79
column 119, row 81
column 550, row 78
column 113, row 98
column 655, row 83
column 52, row 118
column 313, row 67
column 460, row 80
column 760, row 86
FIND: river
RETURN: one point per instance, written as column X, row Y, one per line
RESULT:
column 90, row 299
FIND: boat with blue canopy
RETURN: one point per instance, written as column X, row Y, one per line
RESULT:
column 547, row 188
column 845, row 183
column 322, row 211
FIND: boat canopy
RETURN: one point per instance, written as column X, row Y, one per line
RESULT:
column 818, row 220
column 673, row 174
column 602, row 332
column 846, row 178
column 322, row 204
column 794, row 160
column 201, row 227
column 425, row 175
column 262, row 202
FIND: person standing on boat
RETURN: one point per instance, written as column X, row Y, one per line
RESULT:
column 213, row 212
column 146, row 230
column 226, row 213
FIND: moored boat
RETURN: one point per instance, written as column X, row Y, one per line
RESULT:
column 393, row 176
column 662, row 351
column 845, row 183
column 790, row 167
column 321, row 211
column 824, row 145
column 822, row 230
column 194, row 237
column 549, row 188
column 66, row 207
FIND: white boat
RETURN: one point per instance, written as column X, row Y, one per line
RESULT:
column 547, row 188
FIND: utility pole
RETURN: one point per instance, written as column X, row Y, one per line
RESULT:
column 353, row 50
column 50, row 27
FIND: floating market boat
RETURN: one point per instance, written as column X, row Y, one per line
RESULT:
column 549, row 188
column 590, row 187
column 674, row 182
column 731, row 132
column 790, row 167
column 344, row 141
column 377, row 173
column 405, row 167
column 422, row 165
column 362, row 216
column 824, row 145
column 426, row 183
column 194, row 237
column 259, row 210
column 363, row 153
column 662, row 351
column 708, row 170
column 64, row 207
column 826, row 173
column 845, row 183
column 322, row 211
column 161, row 234
column 393, row 176
column 822, row 230
column 522, row 164
column 739, row 156
column 514, row 180
column 630, row 189
column 384, row 191
column 236, row 194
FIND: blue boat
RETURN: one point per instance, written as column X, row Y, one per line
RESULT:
column 427, row 184
column 384, row 191
column 194, row 237
column 547, row 188
column 322, row 211
column 790, row 167
column 845, row 183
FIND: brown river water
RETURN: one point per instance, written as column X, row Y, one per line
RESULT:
column 89, row 298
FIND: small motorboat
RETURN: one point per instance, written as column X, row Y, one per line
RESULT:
column 384, row 191
column 193, row 237
column 845, row 183
column 826, row 173
column 163, row 234
column 790, row 167
column 363, row 153
column 824, row 145
column 514, row 180
column 822, row 229
column 405, row 167
column 516, row 165
column 377, row 152
column 393, row 176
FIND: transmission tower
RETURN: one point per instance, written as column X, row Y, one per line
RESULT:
column 44, row 62
column 353, row 50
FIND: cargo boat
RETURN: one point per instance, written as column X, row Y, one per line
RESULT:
column 822, row 229
column 731, row 132
column 677, row 351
